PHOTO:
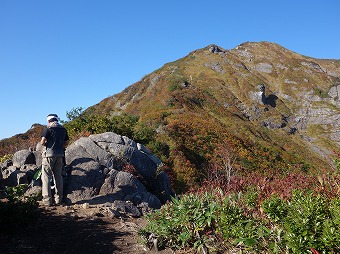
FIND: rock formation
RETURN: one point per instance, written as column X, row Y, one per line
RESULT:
column 101, row 168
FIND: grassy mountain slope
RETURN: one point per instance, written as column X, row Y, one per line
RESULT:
column 260, row 105
column 214, row 98
column 25, row 140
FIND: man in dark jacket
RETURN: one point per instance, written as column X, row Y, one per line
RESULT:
column 54, row 138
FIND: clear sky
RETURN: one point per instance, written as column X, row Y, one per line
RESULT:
column 64, row 54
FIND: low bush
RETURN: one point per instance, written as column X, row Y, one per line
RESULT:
column 307, row 220
column 207, row 222
column 211, row 223
column 17, row 211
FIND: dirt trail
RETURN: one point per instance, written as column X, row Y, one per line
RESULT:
column 77, row 229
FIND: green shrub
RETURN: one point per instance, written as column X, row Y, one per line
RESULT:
column 187, row 221
column 206, row 222
column 173, row 87
column 143, row 134
column 94, row 124
column 275, row 208
column 159, row 149
column 303, row 224
column 18, row 212
column 331, row 232
column 250, row 198
column 124, row 124
column 214, row 224
column 307, row 220
column 231, row 218
column 73, row 114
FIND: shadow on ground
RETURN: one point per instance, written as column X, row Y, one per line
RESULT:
column 52, row 234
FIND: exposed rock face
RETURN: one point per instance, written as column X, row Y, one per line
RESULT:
column 97, row 162
column 23, row 157
column 96, row 172
column 302, row 93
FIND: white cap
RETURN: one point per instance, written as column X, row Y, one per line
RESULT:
column 51, row 116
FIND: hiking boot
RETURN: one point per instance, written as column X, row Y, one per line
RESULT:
column 45, row 203
column 60, row 203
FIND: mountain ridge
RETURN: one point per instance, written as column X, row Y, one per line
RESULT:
column 260, row 88
column 274, row 107
column 264, row 76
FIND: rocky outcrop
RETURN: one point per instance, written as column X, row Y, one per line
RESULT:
column 13, row 175
column 100, row 168
column 23, row 157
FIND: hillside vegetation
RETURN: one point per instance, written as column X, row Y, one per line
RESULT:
column 270, row 109
column 213, row 99
column 250, row 138
column 9, row 146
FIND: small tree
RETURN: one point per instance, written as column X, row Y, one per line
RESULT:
column 74, row 113
column 222, row 170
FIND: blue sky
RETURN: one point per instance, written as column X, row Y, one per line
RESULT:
column 59, row 55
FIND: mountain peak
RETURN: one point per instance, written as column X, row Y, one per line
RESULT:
column 213, row 48
column 219, row 85
column 274, row 108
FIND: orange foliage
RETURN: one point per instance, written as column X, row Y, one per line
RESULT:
column 21, row 141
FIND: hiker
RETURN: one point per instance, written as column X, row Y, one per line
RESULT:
column 54, row 138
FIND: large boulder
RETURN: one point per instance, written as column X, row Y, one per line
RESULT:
column 84, row 182
column 8, row 176
column 98, row 175
column 124, row 186
column 23, row 157
column 86, row 148
column 29, row 170
column 124, row 150
column 12, row 176
column 160, row 186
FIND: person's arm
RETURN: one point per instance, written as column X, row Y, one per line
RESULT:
column 44, row 137
column 43, row 141
column 66, row 140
